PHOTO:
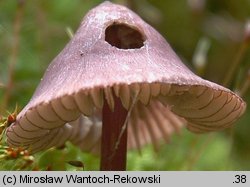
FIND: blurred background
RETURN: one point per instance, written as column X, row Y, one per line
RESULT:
column 212, row 37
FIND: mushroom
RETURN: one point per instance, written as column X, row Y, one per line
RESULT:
column 119, row 75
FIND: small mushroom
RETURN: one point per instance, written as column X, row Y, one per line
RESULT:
column 119, row 75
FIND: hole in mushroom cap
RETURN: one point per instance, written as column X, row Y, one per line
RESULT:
column 124, row 36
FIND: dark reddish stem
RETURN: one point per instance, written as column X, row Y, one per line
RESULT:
column 114, row 146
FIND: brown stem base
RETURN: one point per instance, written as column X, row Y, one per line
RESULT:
column 113, row 157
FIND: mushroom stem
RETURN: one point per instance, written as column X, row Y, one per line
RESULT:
column 114, row 144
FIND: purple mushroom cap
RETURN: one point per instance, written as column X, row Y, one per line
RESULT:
column 115, row 52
